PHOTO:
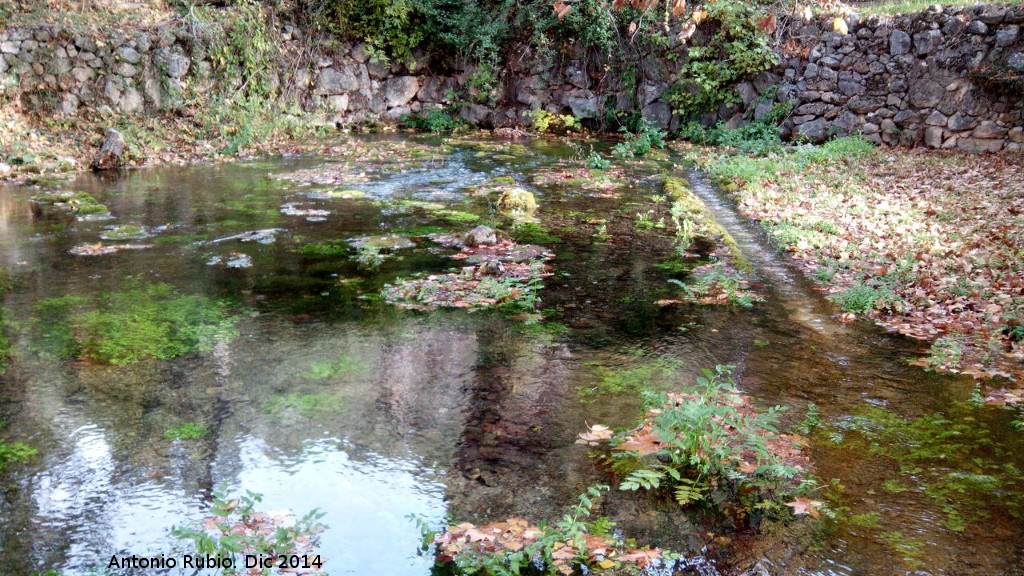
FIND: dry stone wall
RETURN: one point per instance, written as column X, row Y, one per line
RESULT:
column 943, row 78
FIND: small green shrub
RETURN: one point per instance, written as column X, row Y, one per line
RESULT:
column 709, row 446
column 862, row 298
column 544, row 121
column 436, row 120
column 640, row 142
column 596, row 162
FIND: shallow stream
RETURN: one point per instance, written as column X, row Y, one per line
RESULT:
column 325, row 396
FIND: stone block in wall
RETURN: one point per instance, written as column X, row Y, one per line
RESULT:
column 927, row 41
column 979, row 145
column 399, row 91
column 814, row 131
column 1007, row 35
column 1015, row 62
column 988, row 129
column 475, row 114
column 960, row 121
column 989, row 13
column 899, row 43
column 335, row 81
column 582, row 103
column 926, row 94
column 934, row 136
column 577, row 76
column 658, row 113
column 1016, row 134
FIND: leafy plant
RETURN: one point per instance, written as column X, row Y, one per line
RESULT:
column 640, row 142
column 436, row 120
column 597, row 162
column 718, row 283
column 544, row 121
column 709, row 446
column 235, row 528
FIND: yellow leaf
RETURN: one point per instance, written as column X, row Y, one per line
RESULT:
column 606, row 564
column 840, row 26
column 698, row 16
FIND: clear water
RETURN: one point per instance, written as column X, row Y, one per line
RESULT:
column 468, row 414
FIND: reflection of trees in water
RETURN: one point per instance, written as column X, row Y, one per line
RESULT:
column 517, row 452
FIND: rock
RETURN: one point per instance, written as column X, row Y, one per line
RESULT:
column 1016, row 62
column 977, row 27
column 978, row 145
column 492, row 268
column 927, row 41
column 481, row 236
column 577, row 77
column 5, row 169
column 517, row 200
column 359, row 53
column 125, row 69
column 933, row 137
column 811, row 72
column 177, row 65
column 926, row 94
column 747, row 93
column 69, row 105
column 10, row 47
column 851, row 88
column 845, row 124
column 813, row 131
column 334, row 81
column 936, row 118
column 582, row 105
column 959, row 121
column 399, row 91
column 990, row 13
column 870, row 128
column 989, row 129
column 475, row 114
column 110, row 156
column 1007, row 36
column 128, row 54
column 899, row 43
column 82, row 75
column 1016, row 134
column 659, row 113
column 131, row 101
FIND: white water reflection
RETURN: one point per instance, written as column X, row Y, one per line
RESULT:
column 366, row 497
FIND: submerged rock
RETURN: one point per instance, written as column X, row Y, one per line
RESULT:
column 232, row 260
column 111, row 154
column 383, row 242
column 103, row 249
column 481, row 236
column 125, row 232
column 265, row 236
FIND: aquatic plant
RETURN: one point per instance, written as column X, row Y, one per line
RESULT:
column 336, row 368
column 304, row 404
column 718, row 283
column 709, row 446
column 15, row 452
column 569, row 546
column 187, row 431
column 144, row 321
column 646, row 376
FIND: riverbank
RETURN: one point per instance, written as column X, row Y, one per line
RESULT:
column 927, row 244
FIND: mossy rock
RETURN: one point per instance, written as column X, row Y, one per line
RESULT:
column 125, row 232
column 517, row 200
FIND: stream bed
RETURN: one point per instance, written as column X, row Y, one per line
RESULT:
column 305, row 385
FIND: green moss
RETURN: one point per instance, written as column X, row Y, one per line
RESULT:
column 187, row 431
column 456, row 216
column 78, row 202
column 15, row 452
column 336, row 368
column 125, row 232
column 181, row 239
column 329, row 249
column 145, row 321
column 517, row 200
column 647, row 376
column 304, row 404
column 533, row 233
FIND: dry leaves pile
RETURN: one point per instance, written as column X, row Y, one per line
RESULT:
column 944, row 231
column 586, row 178
column 516, row 534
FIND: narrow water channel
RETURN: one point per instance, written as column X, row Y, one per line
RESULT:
column 319, row 394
